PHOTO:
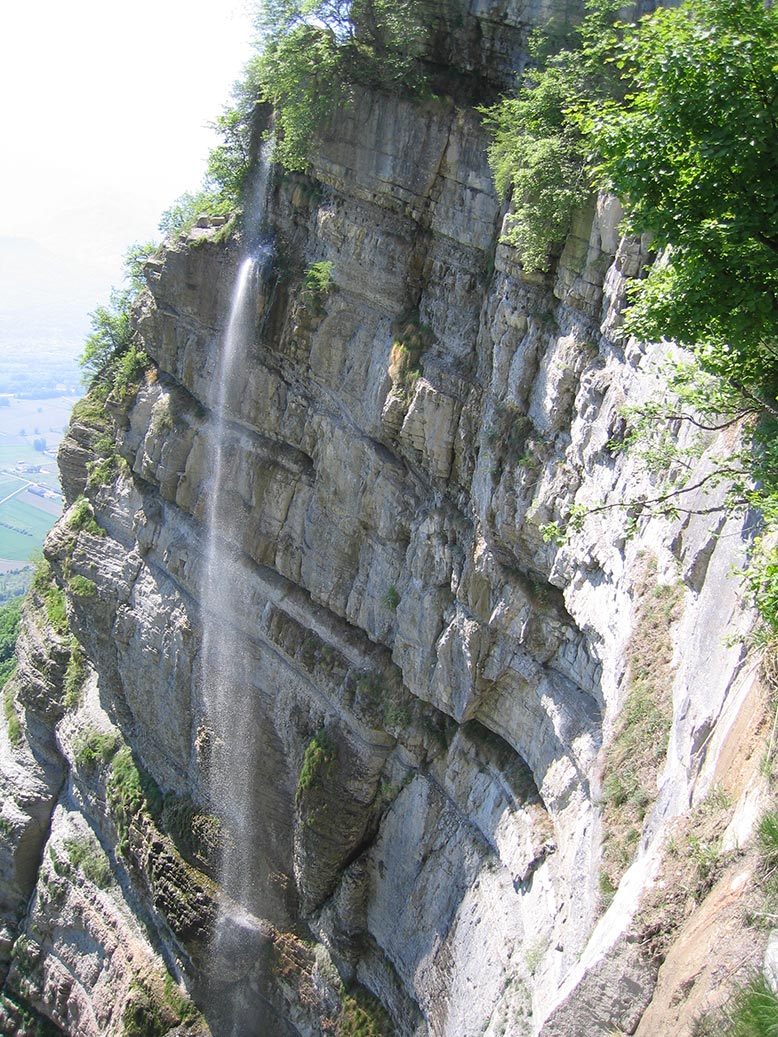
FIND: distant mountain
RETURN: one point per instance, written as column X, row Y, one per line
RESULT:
column 45, row 301
column 42, row 295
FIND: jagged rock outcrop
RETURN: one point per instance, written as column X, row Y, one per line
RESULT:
column 446, row 676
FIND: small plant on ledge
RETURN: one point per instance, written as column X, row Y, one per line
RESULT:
column 317, row 285
column 319, row 756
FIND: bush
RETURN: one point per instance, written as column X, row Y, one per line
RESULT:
column 754, row 1011
column 143, row 1015
column 10, row 616
column 75, row 674
column 101, row 472
column 82, row 587
column 319, row 756
column 317, row 285
column 46, row 588
column 111, row 355
column 316, row 53
column 178, row 1001
column 130, row 792
column 129, row 369
column 90, row 409
column 761, row 578
column 361, row 1015
column 188, row 207
column 86, row 854
column 538, row 150
column 94, row 747
column 195, row 833
column 81, row 517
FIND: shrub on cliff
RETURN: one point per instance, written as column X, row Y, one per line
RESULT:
column 317, row 761
column 315, row 53
column 46, row 590
column 317, row 285
column 311, row 58
column 110, row 353
column 93, row 747
column 10, row 616
column 676, row 114
column 211, row 200
column 538, row 151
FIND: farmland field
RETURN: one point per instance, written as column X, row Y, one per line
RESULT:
column 30, row 499
column 22, row 529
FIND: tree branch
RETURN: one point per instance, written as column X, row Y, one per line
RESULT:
column 762, row 405
column 663, row 498
column 707, row 428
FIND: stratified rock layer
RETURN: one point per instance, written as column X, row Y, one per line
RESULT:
column 395, row 449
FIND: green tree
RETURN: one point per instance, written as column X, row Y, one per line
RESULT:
column 692, row 149
column 538, row 151
column 229, row 162
column 111, row 334
column 112, row 325
column 10, row 617
column 316, row 52
column 677, row 114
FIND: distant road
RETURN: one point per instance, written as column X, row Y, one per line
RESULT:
column 20, row 489
column 16, row 492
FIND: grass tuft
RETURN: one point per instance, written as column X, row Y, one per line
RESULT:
column 767, row 839
column 319, row 756
column 93, row 748
column 639, row 744
column 754, row 1011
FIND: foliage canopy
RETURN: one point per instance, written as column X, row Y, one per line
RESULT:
column 538, row 151
column 693, row 150
column 109, row 351
column 315, row 52
column 677, row 114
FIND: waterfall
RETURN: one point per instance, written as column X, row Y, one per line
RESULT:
column 227, row 665
column 223, row 655
column 225, row 680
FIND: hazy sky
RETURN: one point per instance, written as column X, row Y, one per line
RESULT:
column 103, row 114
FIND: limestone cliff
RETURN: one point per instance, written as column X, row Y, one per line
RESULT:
column 432, row 688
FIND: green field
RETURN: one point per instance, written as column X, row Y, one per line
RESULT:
column 30, row 433
column 22, row 529
column 11, row 456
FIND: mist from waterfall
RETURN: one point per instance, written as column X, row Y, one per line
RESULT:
column 225, row 672
column 222, row 660
column 227, row 665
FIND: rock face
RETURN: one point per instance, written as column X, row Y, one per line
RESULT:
column 429, row 680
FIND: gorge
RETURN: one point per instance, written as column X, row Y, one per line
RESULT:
column 320, row 727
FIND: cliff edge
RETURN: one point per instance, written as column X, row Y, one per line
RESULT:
column 481, row 766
